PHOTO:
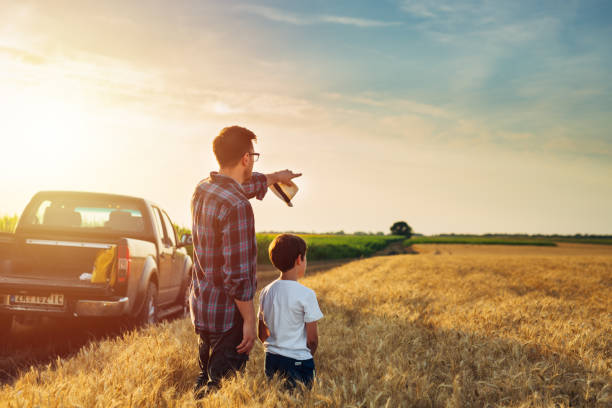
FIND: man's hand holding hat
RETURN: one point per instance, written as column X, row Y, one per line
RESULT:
column 283, row 176
column 280, row 183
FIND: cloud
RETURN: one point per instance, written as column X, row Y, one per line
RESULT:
column 359, row 22
column 428, row 9
column 223, row 108
column 23, row 55
column 478, row 38
column 460, row 130
column 390, row 104
column 299, row 19
column 481, row 23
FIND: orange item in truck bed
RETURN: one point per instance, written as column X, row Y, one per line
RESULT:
column 105, row 267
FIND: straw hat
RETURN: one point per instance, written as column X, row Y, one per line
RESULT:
column 285, row 191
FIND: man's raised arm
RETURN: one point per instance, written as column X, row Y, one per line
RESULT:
column 257, row 185
column 283, row 176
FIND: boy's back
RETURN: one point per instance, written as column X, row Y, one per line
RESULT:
column 286, row 306
column 288, row 314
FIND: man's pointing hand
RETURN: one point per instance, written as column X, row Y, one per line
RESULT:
column 283, row 176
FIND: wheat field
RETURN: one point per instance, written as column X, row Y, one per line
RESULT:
column 454, row 326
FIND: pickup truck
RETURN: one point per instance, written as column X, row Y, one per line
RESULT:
column 78, row 254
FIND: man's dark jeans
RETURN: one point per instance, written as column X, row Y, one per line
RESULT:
column 290, row 369
column 218, row 358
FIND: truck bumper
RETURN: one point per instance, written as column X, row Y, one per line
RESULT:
column 74, row 308
column 101, row 308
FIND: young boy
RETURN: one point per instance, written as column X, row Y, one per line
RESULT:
column 288, row 314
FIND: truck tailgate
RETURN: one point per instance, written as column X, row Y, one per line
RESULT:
column 43, row 286
column 7, row 244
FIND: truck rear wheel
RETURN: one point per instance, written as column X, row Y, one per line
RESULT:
column 148, row 314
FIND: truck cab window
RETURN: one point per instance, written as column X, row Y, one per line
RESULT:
column 159, row 224
column 85, row 214
column 171, row 233
column 38, row 217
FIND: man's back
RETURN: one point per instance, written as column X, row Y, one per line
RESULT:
column 225, row 249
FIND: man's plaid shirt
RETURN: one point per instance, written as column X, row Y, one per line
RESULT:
column 224, row 249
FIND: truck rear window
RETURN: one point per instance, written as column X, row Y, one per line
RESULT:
column 75, row 213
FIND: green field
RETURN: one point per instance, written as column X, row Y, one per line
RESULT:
column 327, row 247
column 477, row 240
column 322, row 247
column 534, row 240
column 583, row 240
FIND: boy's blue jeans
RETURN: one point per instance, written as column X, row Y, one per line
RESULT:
column 291, row 369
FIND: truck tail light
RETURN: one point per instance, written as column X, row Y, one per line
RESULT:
column 123, row 262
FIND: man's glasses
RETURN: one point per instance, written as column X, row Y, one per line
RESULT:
column 255, row 156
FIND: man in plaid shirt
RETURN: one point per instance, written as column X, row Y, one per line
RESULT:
column 225, row 257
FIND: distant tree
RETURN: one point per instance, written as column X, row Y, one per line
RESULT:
column 401, row 228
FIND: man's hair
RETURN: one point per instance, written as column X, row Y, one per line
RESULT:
column 231, row 144
column 285, row 249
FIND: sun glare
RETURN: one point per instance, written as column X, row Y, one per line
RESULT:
column 43, row 126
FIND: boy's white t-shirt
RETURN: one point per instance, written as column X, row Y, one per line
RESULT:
column 285, row 306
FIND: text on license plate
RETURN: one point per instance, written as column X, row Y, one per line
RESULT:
column 54, row 299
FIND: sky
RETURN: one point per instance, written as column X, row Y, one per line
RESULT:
column 456, row 117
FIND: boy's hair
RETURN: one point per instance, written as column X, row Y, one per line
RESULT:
column 231, row 144
column 285, row 249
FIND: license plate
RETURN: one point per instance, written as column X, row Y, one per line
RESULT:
column 54, row 299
